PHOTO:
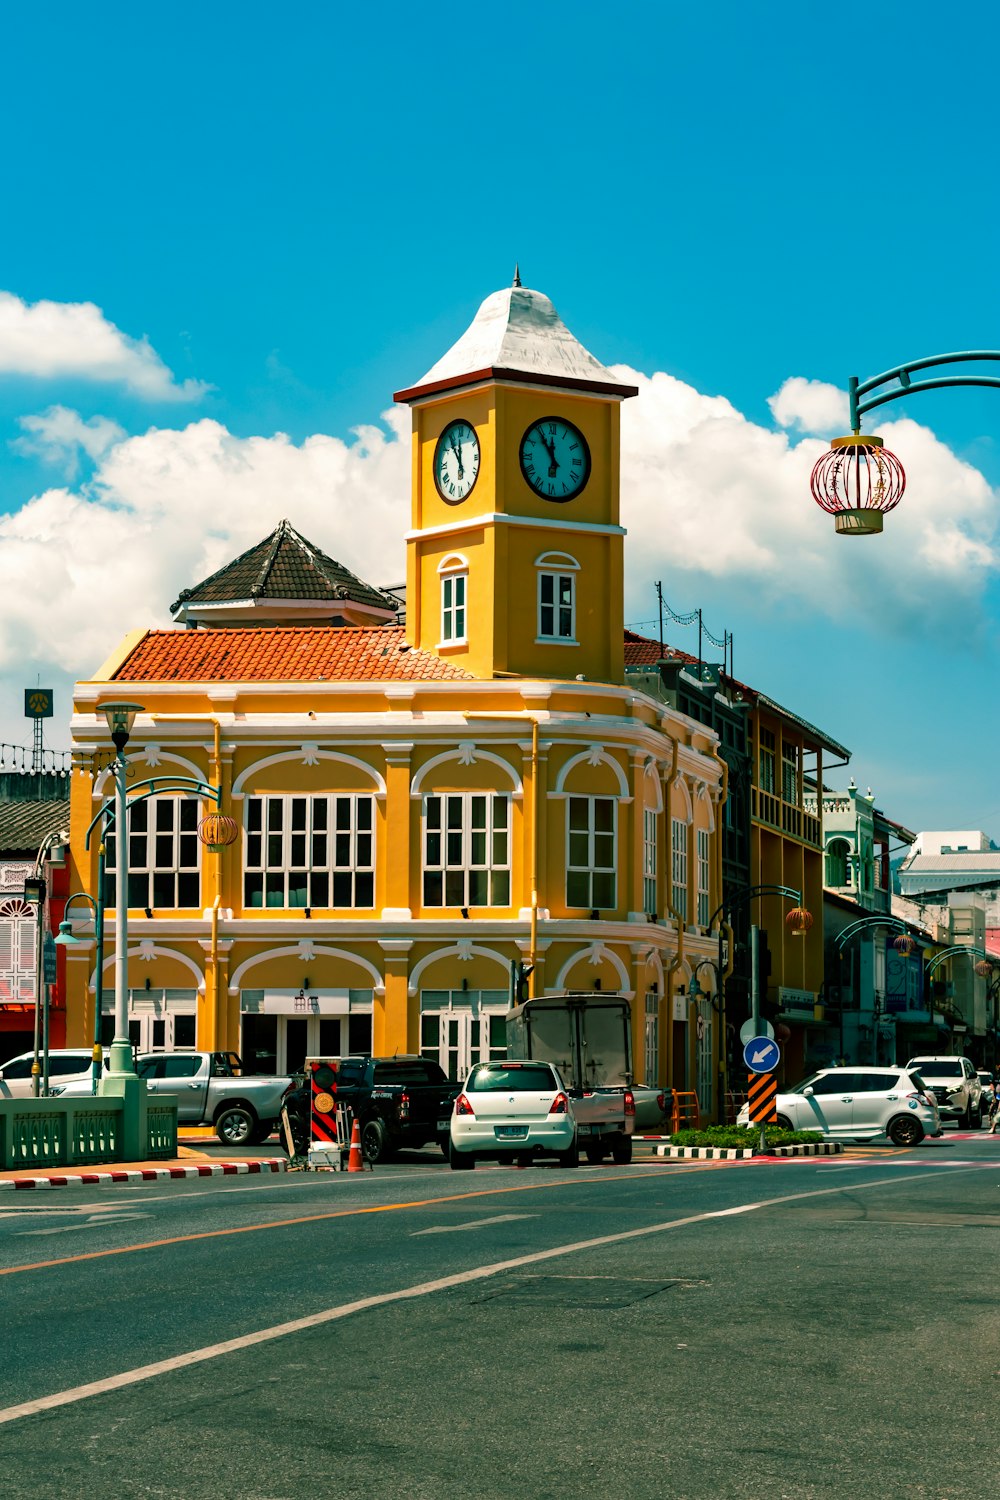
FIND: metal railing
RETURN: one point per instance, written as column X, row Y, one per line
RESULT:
column 39, row 1133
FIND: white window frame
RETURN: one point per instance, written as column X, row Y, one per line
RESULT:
column 558, row 568
column 591, row 868
column 704, row 875
column 650, row 844
column 679, row 868
column 18, row 937
column 147, row 870
column 346, row 859
column 449, row 851
column 652, row 1039
column 454, row 574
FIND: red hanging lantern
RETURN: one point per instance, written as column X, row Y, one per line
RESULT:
column 858, row 482
column 217, row 832
column 903, row 944
column 984, row 968
column 798, row 921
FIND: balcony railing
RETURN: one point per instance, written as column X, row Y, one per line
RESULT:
column 768, row 808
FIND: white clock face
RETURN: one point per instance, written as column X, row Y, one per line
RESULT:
column 456, row 462
column 555, row 459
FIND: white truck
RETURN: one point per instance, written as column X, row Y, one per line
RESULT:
column 589, row 1039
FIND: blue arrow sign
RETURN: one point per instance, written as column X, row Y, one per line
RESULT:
column 761, row 1054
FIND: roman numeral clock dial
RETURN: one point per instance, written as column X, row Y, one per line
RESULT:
column 456, row 462
column 555, row 459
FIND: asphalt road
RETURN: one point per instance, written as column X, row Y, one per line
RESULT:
column 815, row 1328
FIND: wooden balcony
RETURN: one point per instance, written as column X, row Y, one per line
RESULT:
column 767, row 808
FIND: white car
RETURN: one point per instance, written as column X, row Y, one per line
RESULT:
column 860, row 1103
column 67, row 1065
column 512, row 1109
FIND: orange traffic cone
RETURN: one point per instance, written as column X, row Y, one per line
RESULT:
column 355, row 1162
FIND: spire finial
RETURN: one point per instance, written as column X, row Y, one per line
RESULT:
column 517, row 275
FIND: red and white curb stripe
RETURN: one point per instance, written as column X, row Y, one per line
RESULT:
column 706, row 1153
column 146, row 1174
column 816, row 1148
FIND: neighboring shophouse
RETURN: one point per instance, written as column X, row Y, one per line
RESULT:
column 772, row 836
column 874, row 1002
column 33, row 805
column 420, row 808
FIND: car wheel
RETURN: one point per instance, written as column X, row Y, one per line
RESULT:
column 621, row 1151
column 445, row 1143
column 594, row 1154
column 460, row 1161
column 262, row 1130
column 235, row 1126
column 570, row 1158
column 905, row 1131
column 975, row 1117
column 784, row 1123
column 374, row 1142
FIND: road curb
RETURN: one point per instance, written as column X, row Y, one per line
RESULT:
column 706, row 1153
column 740, row 1153
column 145, row 1174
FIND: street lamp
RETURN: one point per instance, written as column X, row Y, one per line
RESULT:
column 67, row 937
column 902, row 942
column 120, row 717
column 859, row 480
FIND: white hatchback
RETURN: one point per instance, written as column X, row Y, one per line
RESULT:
column 66, row 1065
column 512, row 1109
column 859, row 1103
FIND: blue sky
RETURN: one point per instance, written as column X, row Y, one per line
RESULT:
column 299, row 209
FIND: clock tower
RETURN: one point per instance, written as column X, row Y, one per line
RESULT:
column 514, row 556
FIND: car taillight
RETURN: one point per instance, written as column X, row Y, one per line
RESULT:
column 463, row 1107
column 404, row 1106
column 559, row 1105
column 661, row 1103
column 629, row 1102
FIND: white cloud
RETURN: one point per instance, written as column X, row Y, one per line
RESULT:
column 59, row 434
column 706, row 495
column 74, row 340
column 810, row 406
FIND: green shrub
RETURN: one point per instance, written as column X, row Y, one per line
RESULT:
column 743, row 1136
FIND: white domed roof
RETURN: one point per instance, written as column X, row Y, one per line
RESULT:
column 518, row 334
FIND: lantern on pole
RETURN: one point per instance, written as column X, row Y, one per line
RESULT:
column 984, row 968
column 858, row 482
column 217, row 832
column 903, row 944
column 798, row 921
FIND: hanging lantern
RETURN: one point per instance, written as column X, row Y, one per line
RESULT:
column 217, row 832
column 903, row 944
column 799, row 921
column 984, row 968
column 857, row 483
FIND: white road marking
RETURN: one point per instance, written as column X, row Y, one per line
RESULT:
column 383, row 1299
column 96, row 1221
column 472, row 1224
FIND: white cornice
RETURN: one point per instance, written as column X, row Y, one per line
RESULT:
column 500, row 518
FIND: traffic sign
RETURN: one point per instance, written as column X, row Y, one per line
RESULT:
column 762, row 1099
column 748, row 1031
column 761, row 1054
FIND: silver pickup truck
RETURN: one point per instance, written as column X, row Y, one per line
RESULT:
column 210, row 1089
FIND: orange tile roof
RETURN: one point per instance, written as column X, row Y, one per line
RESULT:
column 275, row 654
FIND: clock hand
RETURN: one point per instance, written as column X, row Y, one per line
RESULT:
column 550, row 448
column 458, row 457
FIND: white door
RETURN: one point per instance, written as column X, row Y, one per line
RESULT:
column 166, row 1031
column 460, row 1038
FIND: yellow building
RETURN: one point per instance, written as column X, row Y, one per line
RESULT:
column 419, row 807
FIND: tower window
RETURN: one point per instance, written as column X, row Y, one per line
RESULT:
column 556, row 606
column 467, row 849
column 592, row 830
column 453, row 607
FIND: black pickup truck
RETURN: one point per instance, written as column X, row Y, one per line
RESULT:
column 398, row 1101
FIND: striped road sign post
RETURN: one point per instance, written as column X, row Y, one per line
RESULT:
column 762, row 1094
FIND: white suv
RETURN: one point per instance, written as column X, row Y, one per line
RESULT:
column 857, row 1103
column 955, row 1084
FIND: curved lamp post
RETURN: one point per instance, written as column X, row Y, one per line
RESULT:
column 67, row 937
column 859, row 481
column 903, row 943
column 979, row 954
column 798, row 922
column 989, row 969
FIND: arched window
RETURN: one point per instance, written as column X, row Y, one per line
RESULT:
column 837, row 856
column 557, row 597
column 454, row 571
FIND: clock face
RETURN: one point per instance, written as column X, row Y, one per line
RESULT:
column 456, row 462
column 555, row 459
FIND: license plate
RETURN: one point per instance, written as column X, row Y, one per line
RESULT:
column 583, row 1130
column 511, row 1132
column 443, row 1125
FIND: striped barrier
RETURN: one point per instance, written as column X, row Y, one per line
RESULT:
column 144, row 1174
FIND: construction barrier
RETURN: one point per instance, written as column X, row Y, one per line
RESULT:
column 686, row 1112
column 763, row 1095
column 322, row 1101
